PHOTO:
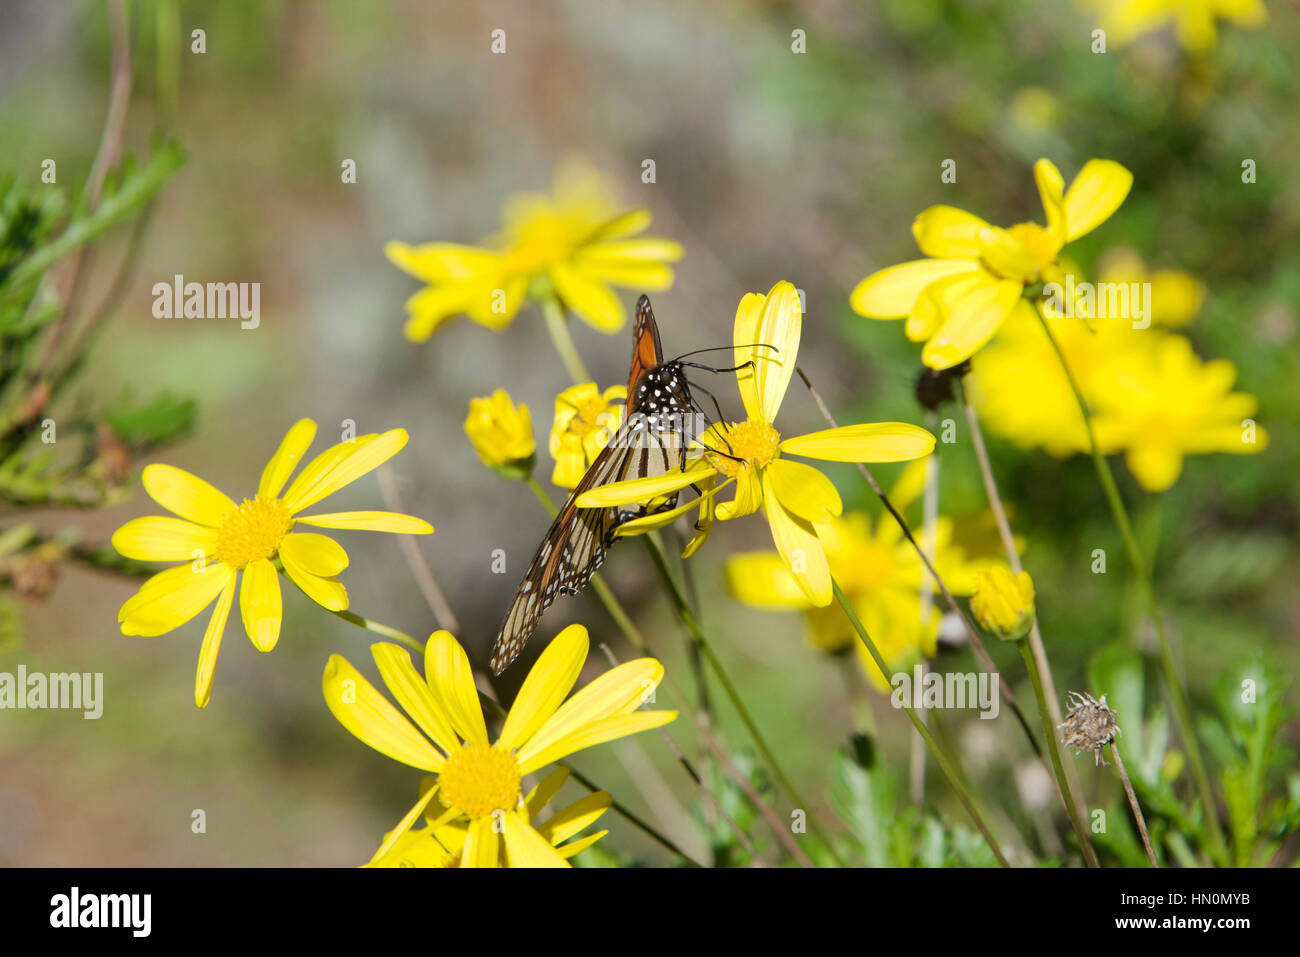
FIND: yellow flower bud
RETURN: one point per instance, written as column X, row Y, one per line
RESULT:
column 1003, row 603
column 502, row 434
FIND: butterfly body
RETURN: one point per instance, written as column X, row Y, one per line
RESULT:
column 660, row 424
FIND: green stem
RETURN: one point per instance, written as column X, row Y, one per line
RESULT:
column 940, row 757
column 1054, row 749
column 557, row 324
column 379, row 628
column 687, row 618
column 1137, row 560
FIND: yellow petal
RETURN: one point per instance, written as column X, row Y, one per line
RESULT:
column 937, row 299
column 353, row 460
column 804, row 490
column 187, row 495
column 525, row 847
column 648, row 523
column 1050, row 187
column 482, row 848
column 593, row 733
column 588, row 296
column 403, row 826
column 286, row 458
column 548, row 683
column 618, row 691
column 313, row 553
column 545, row 791
column 636, row 490
column 160, row 538
column 973, row 322
column 212, row 643
column 946, row 232
column 394, row 522
column 171, row 598
column 1098, row 190
column 260, row 604
column 412, row 693
column 450, row 678
column 576, row 817
column 574, row 848
column 441, row 262
column 370, row 717
column 776, row 326
column 892, row 293
column 749, row 494
column 1155, row 467
column 799, row 546
column 326, row 592
column 761, row 579
column 868, row 442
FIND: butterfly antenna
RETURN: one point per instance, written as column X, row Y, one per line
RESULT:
column 752, row 345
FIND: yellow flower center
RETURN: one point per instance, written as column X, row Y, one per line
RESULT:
column 748, row 441
column 1040, row 243
column 479, row 779
column 252, row 531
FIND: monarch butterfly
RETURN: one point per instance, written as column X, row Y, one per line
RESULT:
column 662, row 421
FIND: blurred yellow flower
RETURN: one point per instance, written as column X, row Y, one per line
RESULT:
column 479, row 782
column 880, row 573
column 1164, row 402
column 1192, row 20
column 585, row 420
column 1176, row 296
column 1003, row 602
column 575, row 243
column 439, row 844
column 218, row 540
column 502, row 434
column 794, row 497
column 1152, row 397
column 1021, row 393
column 956, row 300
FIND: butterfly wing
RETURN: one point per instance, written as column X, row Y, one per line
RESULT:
column 575, row 544
column 646, row 349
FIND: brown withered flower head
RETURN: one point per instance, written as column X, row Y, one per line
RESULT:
column 1089, row 725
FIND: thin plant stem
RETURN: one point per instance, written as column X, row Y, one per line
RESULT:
column 977, row 645
column 688, row 619
column 940, row 757
column 557, row 324
column 420, row 570
column 1076, row 820
column 1133, row 803
column 1053, row 717
column 1137, row 560
column 379, row 628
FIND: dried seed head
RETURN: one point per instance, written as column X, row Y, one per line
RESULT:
column 1089, row 725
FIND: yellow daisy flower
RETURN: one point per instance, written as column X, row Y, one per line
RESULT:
column 441, row 844
column 1165, row 402
column 957, row 300
column 480, row 782
column 502, row 434
column 794, row 497
column 1193, row 20
column 585, row 420
column 577, row 241
column 219, row 539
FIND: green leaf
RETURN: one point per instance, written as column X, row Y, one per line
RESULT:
column 124, row 194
